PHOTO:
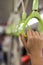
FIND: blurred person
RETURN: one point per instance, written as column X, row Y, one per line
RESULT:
column 6, row 48
column 34, row 45
column 1, row 53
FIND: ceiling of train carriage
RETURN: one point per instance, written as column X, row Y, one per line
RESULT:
column 5, row 9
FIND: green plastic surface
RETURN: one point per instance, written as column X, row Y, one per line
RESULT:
column 35, row 5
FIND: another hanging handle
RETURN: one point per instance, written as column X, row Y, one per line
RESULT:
column 24, row 12
column 23, row 6
column 35, row 5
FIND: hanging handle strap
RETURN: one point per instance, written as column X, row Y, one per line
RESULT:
column 35, row 5
column 24, row 13
column 23, row 6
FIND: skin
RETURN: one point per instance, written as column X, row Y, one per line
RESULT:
column 34, row 45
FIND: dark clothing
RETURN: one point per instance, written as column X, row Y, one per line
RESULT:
column 0, row 46
column 1, row 57
column 5, row 57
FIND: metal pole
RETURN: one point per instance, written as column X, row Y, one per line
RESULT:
column 16, row 51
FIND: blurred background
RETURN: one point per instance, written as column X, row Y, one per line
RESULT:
column 12, row 51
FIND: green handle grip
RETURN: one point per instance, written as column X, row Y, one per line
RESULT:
column 35, row 5
column 36, row 15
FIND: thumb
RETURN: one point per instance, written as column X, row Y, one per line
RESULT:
column 23, row 40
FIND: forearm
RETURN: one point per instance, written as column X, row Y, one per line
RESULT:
column 36, row 61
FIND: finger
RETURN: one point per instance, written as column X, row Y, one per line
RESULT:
column 23, row 40
column 29, row 34
column 41, row 36
column 33, row 34
column 37, row 34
